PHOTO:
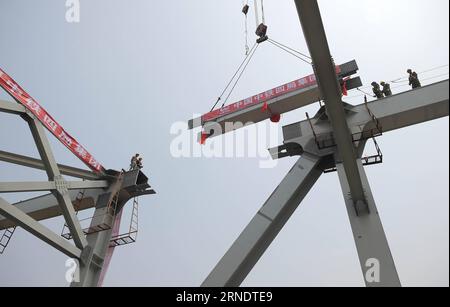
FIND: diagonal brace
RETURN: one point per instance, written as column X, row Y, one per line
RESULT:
column 245, row 252
column 54, row 174
column 38, row 230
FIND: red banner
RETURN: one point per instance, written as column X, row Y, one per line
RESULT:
column 9, row 85
column 264, row 97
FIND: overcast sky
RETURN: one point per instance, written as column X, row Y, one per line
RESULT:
column 119, row 79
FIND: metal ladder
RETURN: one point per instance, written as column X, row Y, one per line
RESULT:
column 6, row 238
column 131, row 235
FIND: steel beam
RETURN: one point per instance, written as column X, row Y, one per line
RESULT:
column 46, row 206
column 395, row 112
column 373, row 249
column 53, row 173
column 38, row 164
column 240, row 259
column 311, row 20
column 26, row 222
column 12, row 187
column 12, row 108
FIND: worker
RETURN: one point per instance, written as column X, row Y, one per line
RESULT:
column 414, row 81
column 377, row 90
column 245, row 9
column 134, row 162
column 139, row 164
column 386, row 89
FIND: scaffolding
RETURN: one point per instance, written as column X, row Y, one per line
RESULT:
column 106, row 218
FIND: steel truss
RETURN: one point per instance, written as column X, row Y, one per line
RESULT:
column 100, row 191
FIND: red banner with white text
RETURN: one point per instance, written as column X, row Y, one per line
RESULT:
column 9, row 85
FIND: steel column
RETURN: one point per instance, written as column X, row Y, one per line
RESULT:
column 325, row 69
column 373, row 249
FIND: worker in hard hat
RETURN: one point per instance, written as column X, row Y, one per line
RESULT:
column 414, row 81
column 386, row 89
column 377, row 90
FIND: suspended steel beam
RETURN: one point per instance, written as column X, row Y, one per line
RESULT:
column 26, row 222
column 11, row 187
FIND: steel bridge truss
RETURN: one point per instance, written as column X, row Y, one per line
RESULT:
column 106, row 192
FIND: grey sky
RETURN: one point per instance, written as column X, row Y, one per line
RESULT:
column 119, row 79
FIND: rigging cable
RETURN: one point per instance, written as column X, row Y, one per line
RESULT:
column 395, row 87
column 404, row 79
column 290, row 52
column 291, row 49
column 256, row 13
column 252, row 53
column 262, row 12
column 399, row 80
column 234, row 76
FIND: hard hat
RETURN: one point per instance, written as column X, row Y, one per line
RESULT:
column 382, row 83
column 374, row 83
